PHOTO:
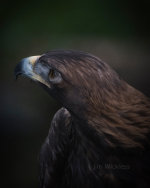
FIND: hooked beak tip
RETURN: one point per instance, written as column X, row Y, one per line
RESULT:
column 18, row 70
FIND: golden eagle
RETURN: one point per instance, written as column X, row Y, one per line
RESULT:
column 101, row 136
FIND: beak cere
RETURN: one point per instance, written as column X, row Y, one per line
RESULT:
column 25, row 67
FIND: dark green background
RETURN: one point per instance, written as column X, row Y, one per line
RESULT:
column 116, row 31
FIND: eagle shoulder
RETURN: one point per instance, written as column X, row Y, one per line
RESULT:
column 61, row 118
column 55, row 150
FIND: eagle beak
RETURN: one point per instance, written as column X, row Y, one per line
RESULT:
column 25, row 67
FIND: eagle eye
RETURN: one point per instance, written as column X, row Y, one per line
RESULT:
column 54, row 76
column 52, row 73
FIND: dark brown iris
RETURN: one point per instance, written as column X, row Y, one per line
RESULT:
column 52, row 73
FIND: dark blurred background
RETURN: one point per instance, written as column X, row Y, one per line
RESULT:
column 116, row 31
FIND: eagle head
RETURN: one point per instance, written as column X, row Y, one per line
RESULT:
column 80, row 81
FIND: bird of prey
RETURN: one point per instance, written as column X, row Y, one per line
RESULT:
column 100, row 138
